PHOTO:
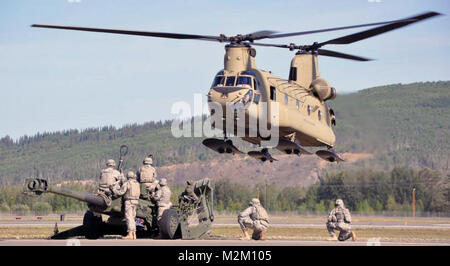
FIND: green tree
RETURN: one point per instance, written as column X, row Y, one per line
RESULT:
column 42, row 208
column 21, row 209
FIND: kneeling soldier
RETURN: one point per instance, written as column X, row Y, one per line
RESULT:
column 339, row 219
column 256, row 218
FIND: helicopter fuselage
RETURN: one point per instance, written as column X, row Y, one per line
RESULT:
column 301, row 112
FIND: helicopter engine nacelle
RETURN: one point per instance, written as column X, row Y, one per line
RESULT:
column 322, row 90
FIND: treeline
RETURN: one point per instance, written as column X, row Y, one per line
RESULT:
column 363, row 191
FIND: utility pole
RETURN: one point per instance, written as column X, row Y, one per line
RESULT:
column 414, row 201
column 265, row 198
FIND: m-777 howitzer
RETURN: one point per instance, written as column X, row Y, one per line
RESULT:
column 188, row 220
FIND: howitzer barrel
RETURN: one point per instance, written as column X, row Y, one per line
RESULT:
column 39, row 186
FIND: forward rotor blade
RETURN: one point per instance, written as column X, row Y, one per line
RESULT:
column 260, row 34
column 379, row 30
column 341, row 55
column 140, row 33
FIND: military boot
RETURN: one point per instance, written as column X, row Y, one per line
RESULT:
column 353, row 236
column 262, row 235
column 129, row 236
column 332, row 238
column 246, row 236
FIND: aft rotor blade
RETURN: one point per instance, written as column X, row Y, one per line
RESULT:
column 379, row 30
column 341, row 55
column 271, row 45
column 282, row 35
column 131, row 32
column 319, row 51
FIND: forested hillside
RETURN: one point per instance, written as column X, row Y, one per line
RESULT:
column 398, row 124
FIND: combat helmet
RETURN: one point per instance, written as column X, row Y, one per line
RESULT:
column 110, row 163
column 131, row 175
column 148, row 160
column 255, row 202
column 163, row 182
column 339, row 203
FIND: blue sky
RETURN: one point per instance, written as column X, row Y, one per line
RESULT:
column 54, row 79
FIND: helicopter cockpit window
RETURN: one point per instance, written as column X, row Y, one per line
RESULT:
column 243, row 81
column 230, row 81
column 218, row 81
column 273, row 93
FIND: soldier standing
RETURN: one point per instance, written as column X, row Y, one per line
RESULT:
column 162, row 197
column 147, row 175
column 340, row 219
column 256, row 218
column 131, row 191
column 109, row 176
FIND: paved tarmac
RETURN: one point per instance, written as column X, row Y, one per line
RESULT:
column 229, row 242
column 418, row 225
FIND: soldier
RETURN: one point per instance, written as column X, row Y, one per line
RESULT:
column 162, row 197
column 147, row 175
column 109, row 176
column 256, row 218
column 340, row 219
column 189, row 194
column 131, row 191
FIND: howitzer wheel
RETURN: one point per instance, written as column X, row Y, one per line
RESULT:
column 92, row 226
column 169, row 225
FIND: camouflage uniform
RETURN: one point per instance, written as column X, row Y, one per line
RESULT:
column 340, row 219
column 162, row 197
column 189, row 194
column 256, row 218
column 130, row 191
column 147, row 176
column 109, row 177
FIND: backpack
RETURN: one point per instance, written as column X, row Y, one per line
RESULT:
column 107, row 178
column 147, row 174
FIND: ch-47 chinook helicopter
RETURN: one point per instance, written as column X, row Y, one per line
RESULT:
column 304, row 118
